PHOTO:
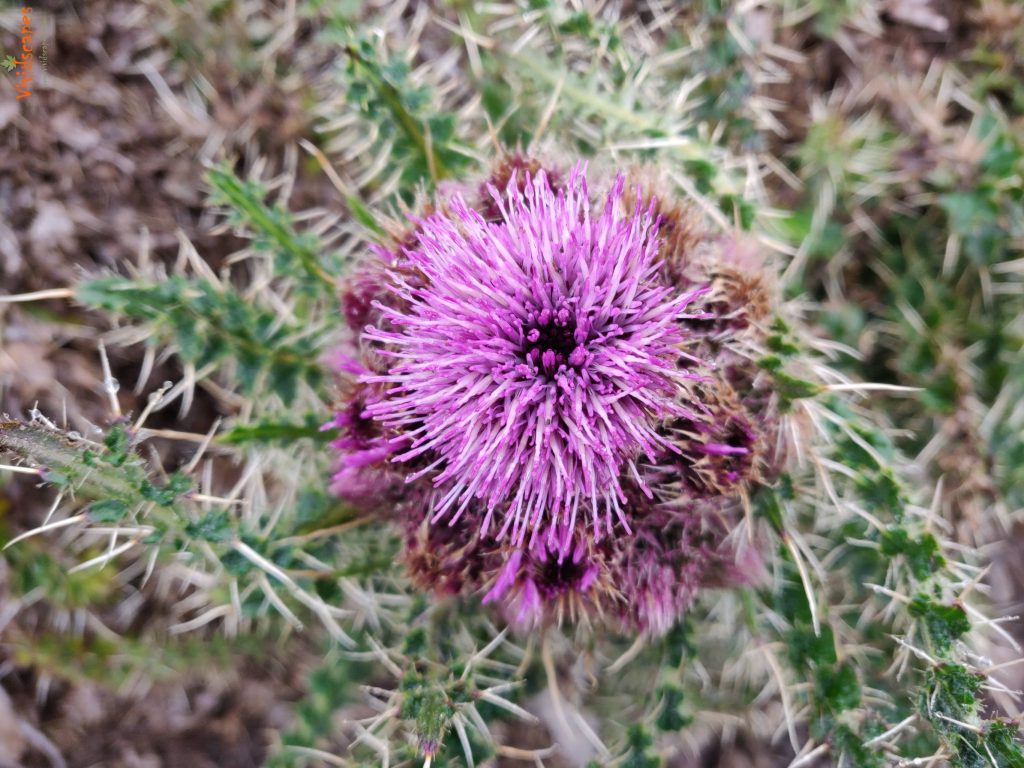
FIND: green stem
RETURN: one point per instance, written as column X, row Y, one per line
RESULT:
column 408, row 124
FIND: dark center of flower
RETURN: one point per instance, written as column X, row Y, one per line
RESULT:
column 552, row 343
column 361, row 426
column 554, row 578
column 738, row 435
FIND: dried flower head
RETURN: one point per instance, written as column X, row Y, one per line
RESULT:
column 663, row 565
column 680, row 233
column 714, row 454
column 737, row 297
column 359, row 294
column 513, row 168
column 643, row 582
column 446, row 559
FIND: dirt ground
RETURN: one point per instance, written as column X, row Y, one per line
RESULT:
column 93, row 170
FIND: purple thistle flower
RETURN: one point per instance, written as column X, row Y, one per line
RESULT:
column 362, row 474
column 645, row 582
column 534, row 358
column 662, row 567
column 672, row 555
column 552, row 577
column 358, row 295
column 517, row 356
column 714, row 454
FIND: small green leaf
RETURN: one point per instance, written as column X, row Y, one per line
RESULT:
column 671, row 717
column 944, row 623
column 363, row 215
column 165, row 496
column 837, row 688
column 108, row 511
column 269, row 432
column 214, row 527
column 118, row 443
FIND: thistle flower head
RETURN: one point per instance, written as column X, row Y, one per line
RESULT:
column 359, row 293
column 533, row 358
column 714, row 454
column 643, row 582
column 663, row 565
column 679, row 231
column 531, row 377
column 554, row 579
column 362, row 474
column 446, row 559
column 513, row 168
column 737, row 297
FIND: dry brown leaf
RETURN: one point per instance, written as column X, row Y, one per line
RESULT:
column 917, row 13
